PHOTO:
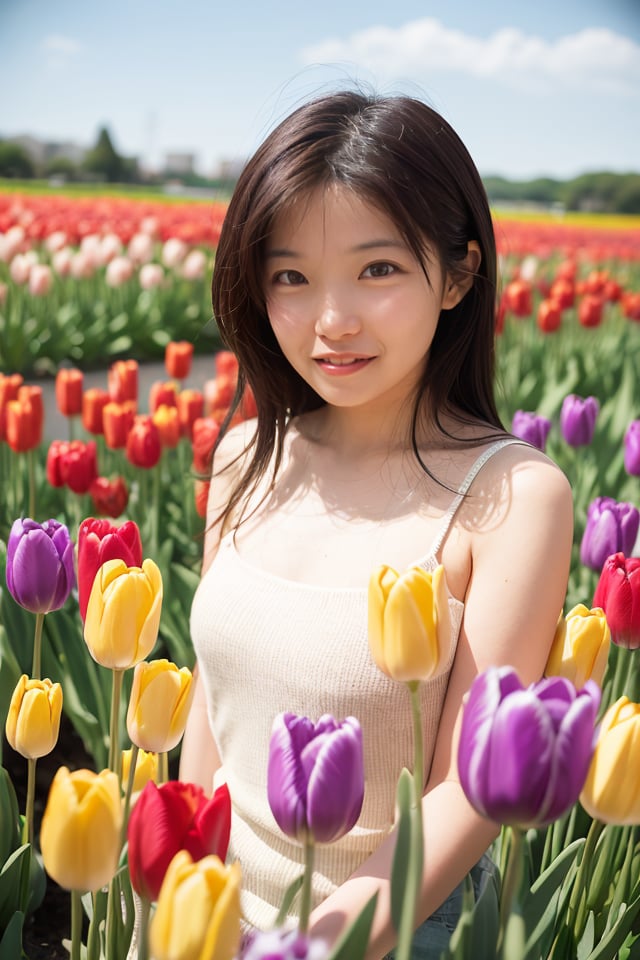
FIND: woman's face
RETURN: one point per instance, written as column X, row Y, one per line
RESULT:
column 349, row 302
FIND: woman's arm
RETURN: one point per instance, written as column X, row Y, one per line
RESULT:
column 520, row 564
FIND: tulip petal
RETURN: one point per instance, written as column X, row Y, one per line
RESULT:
column 213, row 824
column 336, row 785
column 286, row 781
column 380, row 584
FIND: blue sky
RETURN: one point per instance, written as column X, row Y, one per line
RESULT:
column 533, row 87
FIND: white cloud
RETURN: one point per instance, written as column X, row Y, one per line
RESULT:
column 594, row 57
column 58, row 44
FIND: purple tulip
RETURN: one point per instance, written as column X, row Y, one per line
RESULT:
column 524, row 752
column 612, row 527
column 531, row 427
column 578, row 419
column 315, row 777
column 632, row 449
column 283, row 945
column 40, row 570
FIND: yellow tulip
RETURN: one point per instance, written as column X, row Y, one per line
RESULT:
column 146, row 769
column 208, row 893
column 580, row 646
column 158, row 705
column 409, row 625
column 609, row 793
column 123, row 613
column 80, row 831
column 33, row 721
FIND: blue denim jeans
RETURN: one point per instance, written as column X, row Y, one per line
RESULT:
column 433, row 936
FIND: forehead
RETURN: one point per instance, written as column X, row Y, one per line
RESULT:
column 333, row 207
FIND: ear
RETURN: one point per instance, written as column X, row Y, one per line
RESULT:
column 456, row 285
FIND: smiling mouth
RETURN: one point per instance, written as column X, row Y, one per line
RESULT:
column 342, row 361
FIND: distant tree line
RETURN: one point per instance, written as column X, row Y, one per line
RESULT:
column 602, row 192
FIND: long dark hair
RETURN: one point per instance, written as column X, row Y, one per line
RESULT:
column 402, row 157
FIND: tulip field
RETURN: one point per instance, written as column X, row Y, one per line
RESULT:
column 101, row 529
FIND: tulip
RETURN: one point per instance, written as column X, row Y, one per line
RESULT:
column 166, row 420
column 9, row 386
column 632, row 449
column 580, row 646
column 578, row 419
column 226, row 364
column 590, row 310
column 55, row 454
column 122, row 380
column 174, row 816
column 99, row 541
column 162, row 393
column 117, row 420
column 69, row 391
column 284, row 945
column 201, row 496
column 206, row 892
column 110, row 497
column 563, row 292
column 151, row 275
column 33, row 721
column 205, row 434
column 123, row 613
column 119, row 270
column 524, row 752
column 549, row 317
column 518, row 296
column 94, row 400
column 174, row 251
column 315, row 776
column 40, row 279
column 159, row 704
column 144, row 447
column 146, row 769
column 40, row 571
column 194, row 266
column 612, row 527
column 531, row 427
column 618, row 593
column 178, row 357
column 409, row 626
column 190, row 408
column 80, row 832
column 79, row 465
column 610, row 794
column 23, row 424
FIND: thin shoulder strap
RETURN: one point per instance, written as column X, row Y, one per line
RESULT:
column 462, row 490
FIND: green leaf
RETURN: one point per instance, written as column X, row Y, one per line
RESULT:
column 289, row 896
column 588, row 938
column 608, row 947
column 544, row 901
column 11, row 943
column 404, row 798
column 353, row 943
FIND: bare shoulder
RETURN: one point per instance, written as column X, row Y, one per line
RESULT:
column 232, row 450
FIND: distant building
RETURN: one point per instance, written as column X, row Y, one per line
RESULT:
column 229, row 169
column 41, row 152
column 180, row 163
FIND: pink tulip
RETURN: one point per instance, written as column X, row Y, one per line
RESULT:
column 40, row 280
column 82, row 265
column 61, row 261
column 194, row 265
column 140, row 248
column 56, row 241
column 173, row 252
column 151, row 275
column 20, row 268
column 119, row 270
column 110, row 248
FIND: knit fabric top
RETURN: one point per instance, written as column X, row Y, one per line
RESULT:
column 266, row 645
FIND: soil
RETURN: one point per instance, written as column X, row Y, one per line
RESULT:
column 50, row 924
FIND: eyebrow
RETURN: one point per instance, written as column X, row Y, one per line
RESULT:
column 374, row 244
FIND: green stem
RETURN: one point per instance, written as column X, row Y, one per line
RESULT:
column 581, row 880
column 76, row 925
column 31, row 794
column 155, row 506
column 143, row 936
column 163, row 767
column 114, row 729
column 128, row 792
column 305, row 895
column 36, row 668
column 416, row 850
column 511, row 883
column 31, row 468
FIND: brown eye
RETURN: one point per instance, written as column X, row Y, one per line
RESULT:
column 289, row 278
column 380, row 269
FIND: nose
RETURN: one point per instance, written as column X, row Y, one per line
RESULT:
column 336, row 318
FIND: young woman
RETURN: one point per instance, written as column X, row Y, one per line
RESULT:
column 355, row 280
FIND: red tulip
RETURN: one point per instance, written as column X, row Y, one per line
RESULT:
column 618, row 593
column 24, row 421
column 167, row 422
column 162, row 393
column 590, row 310
column 69, row 391
column 144, row 446
column 178, row 357
column 94, row 400
column 55, row 453
column 201, row 494
column 110, row 497
column 190, row 407
column 205, row 434
column 563, row 291
column 122, row 381
column 226, row 364
column 175, row 816
column 79, row 466
column 117, row 420
column 518, row 295
column 9, row 387
column 549, row 316
column 99, row 541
